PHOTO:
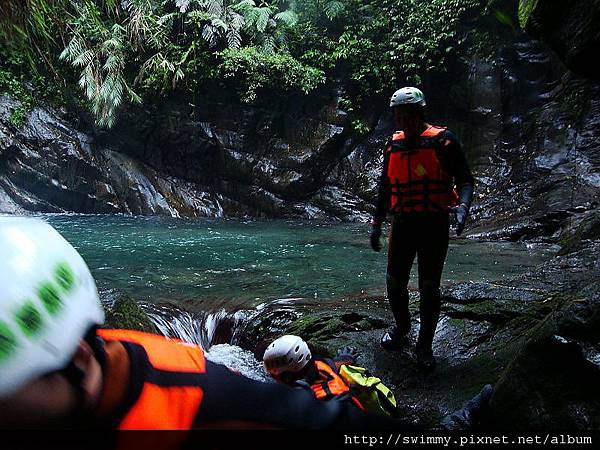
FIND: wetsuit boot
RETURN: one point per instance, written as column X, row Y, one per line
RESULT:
column 429, row 309
column 395, row 338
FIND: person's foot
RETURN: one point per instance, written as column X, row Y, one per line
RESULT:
column 393, row 339
column 425, row 359
column 469, row 416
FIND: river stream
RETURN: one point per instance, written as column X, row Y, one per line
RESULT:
column 212, row 264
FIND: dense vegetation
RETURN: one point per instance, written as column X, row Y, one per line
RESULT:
column 116, row 51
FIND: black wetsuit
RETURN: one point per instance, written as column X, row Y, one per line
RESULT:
column 229, row 400
column 422, row 234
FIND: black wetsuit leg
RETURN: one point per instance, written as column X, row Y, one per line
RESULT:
column 401, row 255
column 232, row 398
column 431, row 254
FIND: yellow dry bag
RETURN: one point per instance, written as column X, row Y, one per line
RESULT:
column 375, row 396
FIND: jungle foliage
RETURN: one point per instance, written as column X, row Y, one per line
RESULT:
column 117, row 51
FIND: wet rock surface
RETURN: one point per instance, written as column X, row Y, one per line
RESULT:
column 552, row 381
column 519, row 334
column 47, row 165
column 122, row 312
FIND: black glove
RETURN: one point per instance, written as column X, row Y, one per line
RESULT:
column 469, row 416
column 375, row 235
column 461, row 212
column 347, row 353
column 345, row 356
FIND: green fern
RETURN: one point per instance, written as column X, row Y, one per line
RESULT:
column 287, row 17
column 333, row 9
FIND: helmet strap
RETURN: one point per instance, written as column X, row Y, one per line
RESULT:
column 96, row 343
column 73, row 374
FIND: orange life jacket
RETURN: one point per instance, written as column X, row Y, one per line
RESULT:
column 170, row 393
column 418, row 181
column 331, row 384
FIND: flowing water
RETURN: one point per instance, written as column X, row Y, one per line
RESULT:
column 200, row 280
column 206, row 265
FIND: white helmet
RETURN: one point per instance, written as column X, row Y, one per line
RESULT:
column 48, row 300
column 407, row 96
column 287, row 354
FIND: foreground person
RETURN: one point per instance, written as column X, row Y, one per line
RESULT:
column 59, row 370
column 422, row 164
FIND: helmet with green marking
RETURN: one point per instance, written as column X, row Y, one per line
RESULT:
column 48, row 300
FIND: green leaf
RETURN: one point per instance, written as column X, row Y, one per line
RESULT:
column 333, row 9
column 504, row 19
column 262, row 18
column 288, row 17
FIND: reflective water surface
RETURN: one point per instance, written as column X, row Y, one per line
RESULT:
column 212, row 264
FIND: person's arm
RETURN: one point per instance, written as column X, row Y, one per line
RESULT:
column 234, row 401
column 383, row 191
column 454, row 161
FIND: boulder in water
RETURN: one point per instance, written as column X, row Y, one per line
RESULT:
column 123, row 312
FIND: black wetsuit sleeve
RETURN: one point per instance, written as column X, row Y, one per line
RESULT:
column 454, row 161
column 383, row 194
column 232, row 398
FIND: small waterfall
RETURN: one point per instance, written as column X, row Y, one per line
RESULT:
column 215, row 332
column 174, row 322
column 219, row 327
column 204, row 329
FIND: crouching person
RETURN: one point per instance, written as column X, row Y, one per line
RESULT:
column 289, row 360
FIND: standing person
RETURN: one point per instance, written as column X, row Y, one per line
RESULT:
column 422, row 165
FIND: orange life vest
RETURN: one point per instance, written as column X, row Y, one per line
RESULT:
column 330, row 384
column 418, row 181
column 170, row 393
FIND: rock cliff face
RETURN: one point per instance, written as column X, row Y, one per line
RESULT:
column 220, row 159
column 543, row 167
column 528, row 126
column 572, row 32
column 47, row 165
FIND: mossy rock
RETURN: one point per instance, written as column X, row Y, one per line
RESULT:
column 573, row 238
column 552, row 383
column 324, row 326
column 122, row 312
column 258, row 333
column 323, row 331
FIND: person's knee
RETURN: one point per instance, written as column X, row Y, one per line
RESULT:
column 396, row 285
column 429, row 290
